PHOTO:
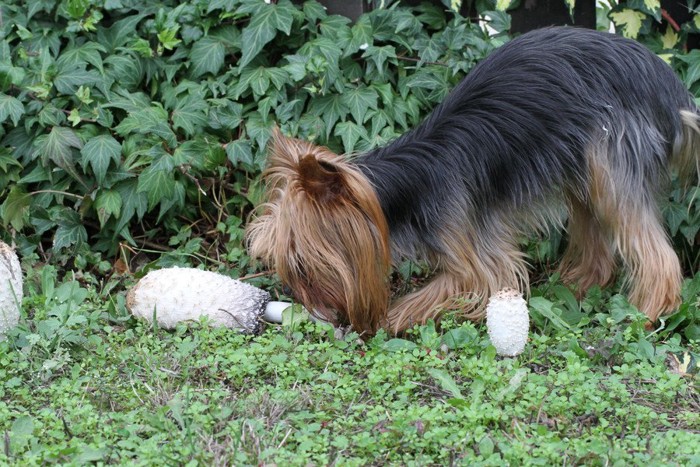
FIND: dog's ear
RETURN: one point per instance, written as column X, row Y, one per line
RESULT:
column 320, row 179
column 318, row 171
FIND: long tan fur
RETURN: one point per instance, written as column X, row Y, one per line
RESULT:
column 618, row 219
column 324, row 232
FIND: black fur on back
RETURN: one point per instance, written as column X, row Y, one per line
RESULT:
column 515, row 131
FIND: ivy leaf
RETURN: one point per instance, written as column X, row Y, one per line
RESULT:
column 330, row 109
column 675, row 214
column 98, row 152
column 437, row 86
column 200, row 153
column 70, row 231
column 254, row 79
column 176, row 200
column 693, row 60
column 90, row 52
column 380, row 56
column 669, row 39
column 168, row 37
column 207, row 56
column 259, row 79
column 361, row 35
column 260, row 82
column 129, row 101
column 263, row 28
column 225, row 114
column 10, row 75
column 350, row 133
column 239, row 152
column 504, row 5
column 259, row 129
column 432, row 16
column 296, row 66
column 499, row 21
column 151, row 120
column 8, row 159
column 629, row 20
column 119, row 32
column 57, row 147
column 294, row 315
column 10, row 107
column 157, row 181
column 77, row 8
column 226, row 5
column 430, row 48
column 214, row 155
column 321, row 46
column 68, row 80
column 406, row 21
column 650, row 7
column 15, row 207
column 278, row 76
column 134, row 203
column 314, row 11
column 107, row 204
column 288, row 111
column 335, row 26
column 190, row 114
column 142, row 47
column 359, row 100
column 690, row 231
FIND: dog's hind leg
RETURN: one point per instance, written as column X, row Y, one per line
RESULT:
column 623, row 198
column 589, row 258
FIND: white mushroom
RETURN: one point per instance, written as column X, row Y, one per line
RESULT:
column 176, row 294
column 10, row 289
column 508, row 322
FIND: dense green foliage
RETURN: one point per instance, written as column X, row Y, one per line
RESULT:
column 130, row 123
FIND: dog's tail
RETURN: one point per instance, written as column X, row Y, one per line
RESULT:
column 687, row 157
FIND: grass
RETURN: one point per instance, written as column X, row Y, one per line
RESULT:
column 83, row 382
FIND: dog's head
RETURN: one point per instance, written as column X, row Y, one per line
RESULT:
column 322, row 229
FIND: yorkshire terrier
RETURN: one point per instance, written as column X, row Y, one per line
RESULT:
column 559, row 120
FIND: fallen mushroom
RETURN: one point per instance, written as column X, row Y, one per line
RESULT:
column 174, row 295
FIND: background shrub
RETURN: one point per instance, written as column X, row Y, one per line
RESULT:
column 136, row 127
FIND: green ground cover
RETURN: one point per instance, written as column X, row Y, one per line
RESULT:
column 82, row 382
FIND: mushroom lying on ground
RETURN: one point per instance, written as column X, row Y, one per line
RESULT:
column 175, row 295
column 508, row 322
column 10, row 288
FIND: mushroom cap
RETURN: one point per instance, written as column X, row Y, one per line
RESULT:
column 508, row 322
column 174, row 295
column 11, row 294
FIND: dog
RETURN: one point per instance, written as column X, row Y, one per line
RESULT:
column 558, row 120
